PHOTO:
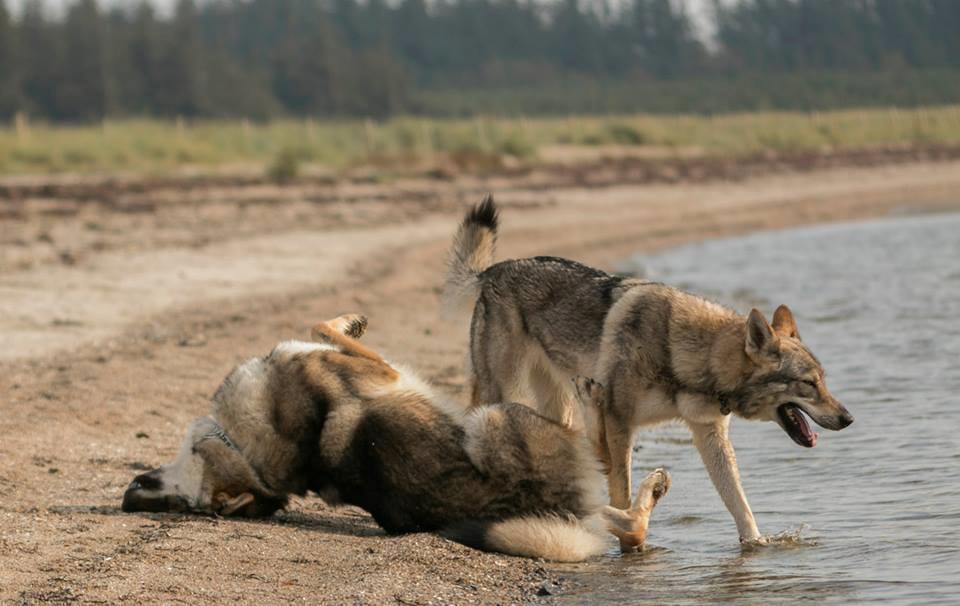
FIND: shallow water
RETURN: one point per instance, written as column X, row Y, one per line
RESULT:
column 872, row 514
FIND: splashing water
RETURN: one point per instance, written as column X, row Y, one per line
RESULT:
column 787, row 538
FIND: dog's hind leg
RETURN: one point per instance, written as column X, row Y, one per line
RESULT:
column 343, row 333
column 630, row 525
column 553, row 398
column 352, row 325
column 484, row 384
column 497, row 360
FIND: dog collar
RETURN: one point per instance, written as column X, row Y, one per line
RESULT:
column 724, row 399
column 219, row 433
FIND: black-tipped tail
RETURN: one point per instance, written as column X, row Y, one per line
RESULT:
column 486, row 214
column 471, row 254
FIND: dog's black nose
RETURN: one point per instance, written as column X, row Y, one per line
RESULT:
column 846, row 419
column 131, row 498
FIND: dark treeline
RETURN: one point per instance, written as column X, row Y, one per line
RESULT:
column 264, row 58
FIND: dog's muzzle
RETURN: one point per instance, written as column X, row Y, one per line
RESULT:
column 141, row 495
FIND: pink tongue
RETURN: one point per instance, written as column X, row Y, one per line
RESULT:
column 805, row 428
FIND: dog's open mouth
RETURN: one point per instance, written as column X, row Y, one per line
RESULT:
column 794, row 422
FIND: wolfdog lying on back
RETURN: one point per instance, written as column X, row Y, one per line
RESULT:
column 335, row 418
column 659, row 352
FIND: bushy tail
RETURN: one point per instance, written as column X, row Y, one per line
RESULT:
column 551, row 537
column 470, row 255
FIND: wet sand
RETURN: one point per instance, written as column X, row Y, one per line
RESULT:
column 118, row 320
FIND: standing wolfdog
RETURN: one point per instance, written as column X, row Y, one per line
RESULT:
column 660, row 354
column 333, row 417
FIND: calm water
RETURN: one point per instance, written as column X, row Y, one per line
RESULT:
column 872, row 514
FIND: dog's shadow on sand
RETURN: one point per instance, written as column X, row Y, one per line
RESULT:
column 341, row 521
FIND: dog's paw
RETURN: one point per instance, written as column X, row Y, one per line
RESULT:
column 357, row 325
column 352, row 325
column 661, row 479
column 758, row 541
column 653, row 488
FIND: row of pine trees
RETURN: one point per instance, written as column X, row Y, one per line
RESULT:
column 265, row 58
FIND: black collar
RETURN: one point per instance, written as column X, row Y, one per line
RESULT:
column 220, row 433
column 725, row 398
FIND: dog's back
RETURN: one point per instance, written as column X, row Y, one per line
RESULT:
column 556, row 303
column 536, row 322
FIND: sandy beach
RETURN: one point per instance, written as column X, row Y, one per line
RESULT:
column 119, row 316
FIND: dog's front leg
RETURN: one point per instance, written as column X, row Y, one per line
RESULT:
column 713, row 442
column 620, row 451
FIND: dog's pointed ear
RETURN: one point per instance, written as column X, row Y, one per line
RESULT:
column 784, row 323
column 227, row 505
column 761, row 342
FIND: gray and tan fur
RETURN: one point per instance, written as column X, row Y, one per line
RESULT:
column 660, row 352
column 333, row 417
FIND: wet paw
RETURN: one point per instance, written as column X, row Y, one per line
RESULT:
column 749, row 543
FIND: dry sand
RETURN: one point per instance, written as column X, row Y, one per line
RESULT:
column 118, row 320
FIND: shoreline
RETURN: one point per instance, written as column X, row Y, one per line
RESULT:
column 188, row 290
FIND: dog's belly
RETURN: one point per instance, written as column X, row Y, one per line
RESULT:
column 655, row 406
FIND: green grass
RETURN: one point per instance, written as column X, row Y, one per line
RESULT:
column 282, row 148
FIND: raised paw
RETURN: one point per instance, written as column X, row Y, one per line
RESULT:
column 661, row 482
column 652, row 489
column 352, row 325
